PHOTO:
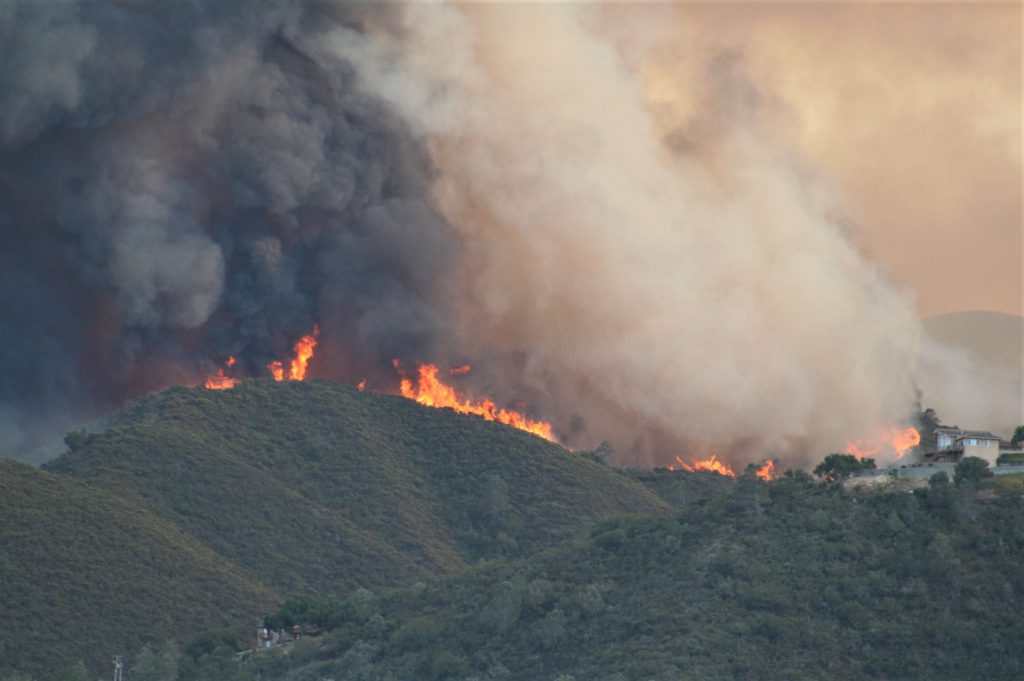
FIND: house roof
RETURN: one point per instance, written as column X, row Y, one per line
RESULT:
column 983, row 434
column 967, row 433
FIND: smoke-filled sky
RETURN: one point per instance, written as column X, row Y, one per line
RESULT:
column 678, row 228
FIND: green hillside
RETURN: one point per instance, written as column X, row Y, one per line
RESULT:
column 196, row 509
column 786, row 580
column 85, row 575
column 318, row 487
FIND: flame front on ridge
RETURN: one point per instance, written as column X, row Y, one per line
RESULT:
column 767, row 471
column 220, row 380
column 297, row 366
column 710, row 464
column 431, row 391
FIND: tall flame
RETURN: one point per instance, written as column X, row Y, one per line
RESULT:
column 767, row 471
column 887, row 440
column 433, row 392
column 710, row 464
column 297, row 366
column 220, row 380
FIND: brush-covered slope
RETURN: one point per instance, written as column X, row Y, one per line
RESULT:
column 783, row 580
column 318, row 487
column 85, row 575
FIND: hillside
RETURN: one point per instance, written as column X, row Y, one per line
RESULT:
column 272, row 489
column 785, row 580
column 86, row 575
column 318, row 487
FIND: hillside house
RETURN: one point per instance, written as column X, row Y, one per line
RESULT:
column 269, row 638
column 953, row 444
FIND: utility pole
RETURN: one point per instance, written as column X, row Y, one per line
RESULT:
column 118, row 666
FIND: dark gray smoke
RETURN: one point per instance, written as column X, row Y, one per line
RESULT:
column 180, row 182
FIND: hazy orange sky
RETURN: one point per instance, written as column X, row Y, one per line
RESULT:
column 910, row 113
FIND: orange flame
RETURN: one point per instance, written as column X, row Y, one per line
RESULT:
column 433, row 392
column 892, row 439
column 767, row 471
column 711, row 464
column 362, row 384
column 276, row 370
column 458, row 371
column 221, row 381
column 297, row 366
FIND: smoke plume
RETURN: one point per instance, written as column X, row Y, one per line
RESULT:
column 492, row 184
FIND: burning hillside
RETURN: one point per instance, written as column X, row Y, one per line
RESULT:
column 220, row 380
column 294, row 370
column 890, row 443
column 430, row 390
column 325, row 180
column 766, row 471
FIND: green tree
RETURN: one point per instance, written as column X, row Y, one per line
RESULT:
column 445, row 665
column 1018, row 436
column 15, row 676
column 551, row 628
column 503, row 609
column 971, row 470
column 211, row 641
column 495, row 502
column 152, row 665
column 837, row 467
column 364, row 604
column 77, row 672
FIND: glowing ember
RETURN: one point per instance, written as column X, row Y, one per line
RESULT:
column 296, row 369
column 433, row 392
column 458, row 371
column 710, row 464
column 767, row 471
column 221, row 381
column 892, row 440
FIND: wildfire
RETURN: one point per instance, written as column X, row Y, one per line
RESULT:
column 891, row 439
column 296, row 369
column 433, row 392
column 710, row 464
column 362, row 384
column 220, row 380
column 767, row 471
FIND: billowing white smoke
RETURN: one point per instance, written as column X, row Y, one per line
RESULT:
column 637, row 293
column 607, row 209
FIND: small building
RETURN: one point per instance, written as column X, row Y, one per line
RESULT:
column 953, row 444
column 269, row 638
